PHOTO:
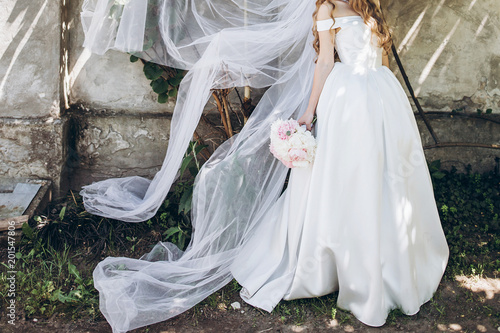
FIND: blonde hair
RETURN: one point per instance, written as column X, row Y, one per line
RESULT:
column 371, row 14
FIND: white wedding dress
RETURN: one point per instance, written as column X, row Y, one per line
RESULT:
column 362, row 219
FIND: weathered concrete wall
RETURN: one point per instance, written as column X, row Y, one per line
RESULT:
column 115, row 127
column 109, row 81
column 445, row 72
column 33, row 148
column 108, row 145
column 119, row 127
column 450, row 50
column 459, row 128
column 104, row 144
column 32, row 135
column 29, row 58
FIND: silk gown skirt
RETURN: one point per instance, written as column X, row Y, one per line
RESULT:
column 362, row 219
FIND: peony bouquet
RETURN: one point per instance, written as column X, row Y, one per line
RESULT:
column 292, row 144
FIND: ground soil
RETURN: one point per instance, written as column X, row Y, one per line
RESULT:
column 466, row 304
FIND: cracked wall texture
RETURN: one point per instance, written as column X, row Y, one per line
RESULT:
column 116, row 146
column 32, row 148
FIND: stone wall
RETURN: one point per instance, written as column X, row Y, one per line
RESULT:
column 30, row 57
column 74, row 117
column 109, row 81
column 31, row 130
column 450, row 50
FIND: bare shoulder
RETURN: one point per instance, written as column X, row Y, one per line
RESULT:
column 324, row 11
column 342, row 9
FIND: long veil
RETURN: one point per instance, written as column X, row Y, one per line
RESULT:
column 222, row 43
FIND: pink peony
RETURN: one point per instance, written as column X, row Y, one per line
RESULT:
column 292, row 145
column 287, row 128
column 297, row 154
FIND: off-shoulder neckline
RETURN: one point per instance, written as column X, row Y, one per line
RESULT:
column 341, row 17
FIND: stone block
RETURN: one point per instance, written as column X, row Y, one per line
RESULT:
column 104, row 145
column 34, row 148
column 29, row 58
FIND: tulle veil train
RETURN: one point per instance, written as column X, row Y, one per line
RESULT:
column 222, row 44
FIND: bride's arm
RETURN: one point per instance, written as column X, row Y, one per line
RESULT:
column 385, row 59
column 324, row 66
column 385, row 55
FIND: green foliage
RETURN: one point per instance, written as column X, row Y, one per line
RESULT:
column 69, row 224
column 152, row 71
column 163, row 98
column 165, row 81
column 47, row 282
column 50, row 282
column 435, row 170
column 175, row 215
column 469, row 207
column 160, row 86
column 488, row 111
column 458, row 110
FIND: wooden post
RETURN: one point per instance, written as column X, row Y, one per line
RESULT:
column 14, row 222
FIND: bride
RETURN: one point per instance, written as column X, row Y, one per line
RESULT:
column 345, row 224
column 361, row 220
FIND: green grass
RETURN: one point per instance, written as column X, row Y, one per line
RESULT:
column 49, row 282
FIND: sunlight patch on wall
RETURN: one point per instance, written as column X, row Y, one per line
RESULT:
column 437, row 54
column 77, row 68
column 472, row 4
column 481, row 26
column 413, row 32
column 10, row 29
column 21, row 45
column 438, row 8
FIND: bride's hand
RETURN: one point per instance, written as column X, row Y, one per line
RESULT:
column 306, row 119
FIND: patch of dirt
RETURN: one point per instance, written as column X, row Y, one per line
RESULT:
column 468, row 304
